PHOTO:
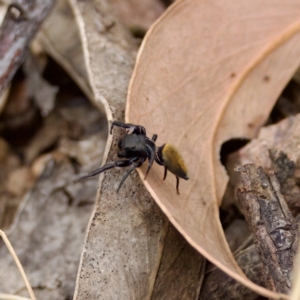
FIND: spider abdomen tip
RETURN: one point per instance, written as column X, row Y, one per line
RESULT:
column 174, row 161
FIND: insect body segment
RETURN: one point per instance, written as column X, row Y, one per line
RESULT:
column 135, row 147
column 169, row 157
column 173, row 160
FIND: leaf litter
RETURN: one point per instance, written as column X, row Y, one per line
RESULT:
column 42, row 149
column 231, row 54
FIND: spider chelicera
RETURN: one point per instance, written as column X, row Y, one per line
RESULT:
column 135, row 147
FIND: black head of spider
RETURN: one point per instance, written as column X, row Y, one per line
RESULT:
column 135, row 147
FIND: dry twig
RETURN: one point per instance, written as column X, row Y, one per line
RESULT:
column 20, row 24
column 272, row 224
column 15, row 257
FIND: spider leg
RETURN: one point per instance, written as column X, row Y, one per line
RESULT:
column 158, row 160
column 177, row 185
column 151, row 158
column 154, row 137
column 110, row 165
column 132, row 167
column 138, row 129
column 165, row 173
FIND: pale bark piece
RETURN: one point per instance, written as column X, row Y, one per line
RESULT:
column 207, row 72
column 272, row 224
column 126, row 233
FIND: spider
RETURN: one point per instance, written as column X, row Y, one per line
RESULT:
column 135, row 147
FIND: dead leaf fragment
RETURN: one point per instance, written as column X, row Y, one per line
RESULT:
column 125, row 237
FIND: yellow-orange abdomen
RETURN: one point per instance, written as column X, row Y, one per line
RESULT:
column 174, row 161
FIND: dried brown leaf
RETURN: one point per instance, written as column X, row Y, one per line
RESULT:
column 208, row 72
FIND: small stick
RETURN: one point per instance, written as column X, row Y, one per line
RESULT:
column 274, row 230
column 11, row 297
column 15, row 257
column 19, row 26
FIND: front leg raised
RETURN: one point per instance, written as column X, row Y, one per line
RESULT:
column 137, row 129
